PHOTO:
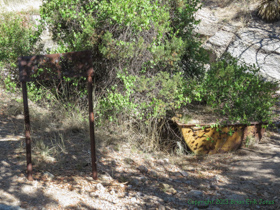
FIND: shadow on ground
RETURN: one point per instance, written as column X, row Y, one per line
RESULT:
column 249, row 175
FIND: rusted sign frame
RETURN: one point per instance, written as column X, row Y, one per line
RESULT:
column 55, row 66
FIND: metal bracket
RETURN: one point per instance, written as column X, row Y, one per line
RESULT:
column 56, row 66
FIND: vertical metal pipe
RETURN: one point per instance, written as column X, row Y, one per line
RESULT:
column 91, row 128
column 27, row 132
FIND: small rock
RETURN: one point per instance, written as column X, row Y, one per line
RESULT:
column 135, row 182
column 143, row 169
column 216, row 178
column 185, row 174
column 89, row 178
column 160, row 162
column 20, row 117
column 178, row 180
column 100, row 187
column 105, row 177
column 92, row 194
column 173, row 191
column 187, row 182
column 204, row 187
column 189, row 168
column 177, row 174
column 128, row 161
column 168, row 199
column 133, row 199
column 167, row 188
column 164, row 186
column 166, row 160
column 76, row 186
column 143, row 179
column 196, row 193
column 214, row 187
column 161, row 207
column 266, row 194
column 139, row 194
column 153, row 173
column 5, row 163
column 48, row 175
column 189, row 187
column 129, row 186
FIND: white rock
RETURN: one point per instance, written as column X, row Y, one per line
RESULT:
column 254, row 45
column 166, row 160
column 259, row 47
column 221, row 38
column 133, row 199
column 100, row 187
column 208, row 25
column 48, row 175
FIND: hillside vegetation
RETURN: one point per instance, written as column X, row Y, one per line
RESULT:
column 149, row 66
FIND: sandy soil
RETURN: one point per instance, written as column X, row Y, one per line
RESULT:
column 129, row 178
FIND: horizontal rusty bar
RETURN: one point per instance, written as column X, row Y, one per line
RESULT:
column 209, row 124
column 55, row 66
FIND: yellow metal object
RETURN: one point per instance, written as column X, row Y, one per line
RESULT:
column 218, row 139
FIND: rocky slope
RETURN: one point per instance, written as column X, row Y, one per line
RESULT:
column 242, row 34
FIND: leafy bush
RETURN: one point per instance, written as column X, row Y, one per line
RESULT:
column 144, row 98
column 140, row 35
column 238, row 91
column 142, row 105
column 138, row 47
column 18, row 37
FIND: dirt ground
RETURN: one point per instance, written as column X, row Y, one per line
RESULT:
column 129, row 178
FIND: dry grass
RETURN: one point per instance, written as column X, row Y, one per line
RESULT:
column 26, row 6
column 237, row 12
column 58, row 133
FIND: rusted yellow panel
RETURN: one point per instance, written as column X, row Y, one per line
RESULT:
column 211, row 140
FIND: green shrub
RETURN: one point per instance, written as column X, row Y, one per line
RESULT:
column 138, row 47
column 140, row 35
column 238, row 91
column 18, row 37
column 142, row 104
column 143, row 98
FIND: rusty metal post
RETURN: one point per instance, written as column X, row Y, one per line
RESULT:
column 91, row 128
column 27, row 132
